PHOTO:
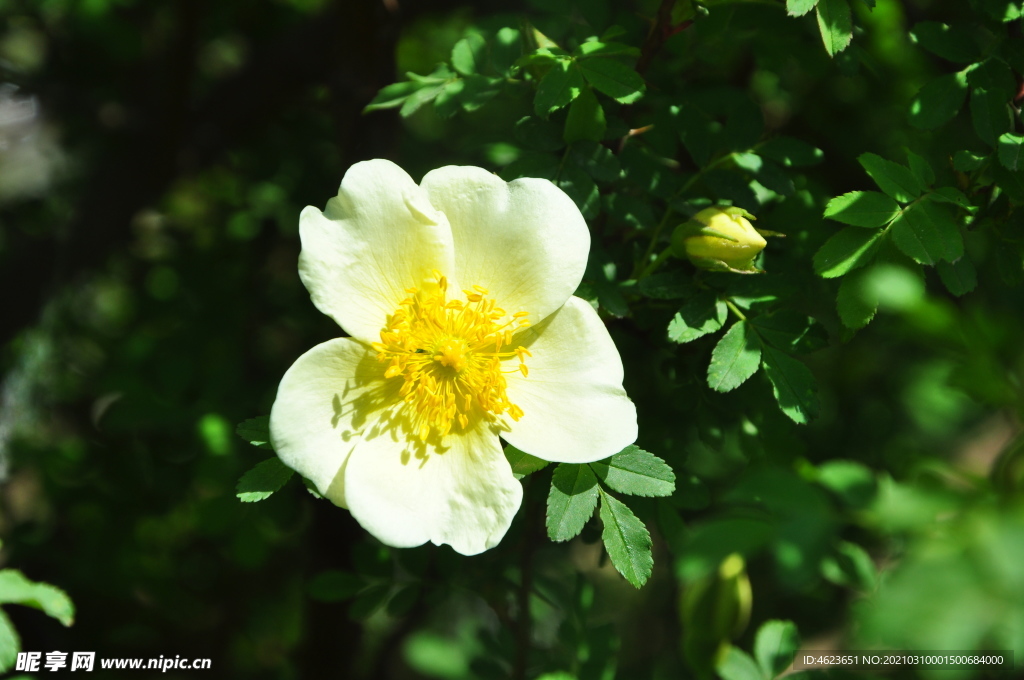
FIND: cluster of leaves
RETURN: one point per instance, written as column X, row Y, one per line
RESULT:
column 765, row 341
column 576, row 489
column 16, row 589
column 924, row 208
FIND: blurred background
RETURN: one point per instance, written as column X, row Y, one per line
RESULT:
column 154, row 157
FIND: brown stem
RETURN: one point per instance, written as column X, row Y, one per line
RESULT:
column 523, row 626
column 661, row 31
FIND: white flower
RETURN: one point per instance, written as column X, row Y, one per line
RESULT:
column 458, row 296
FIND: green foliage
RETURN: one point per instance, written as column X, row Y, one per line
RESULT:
column 256, row 431
column 16, row 589
column 263, row 480
column 735, row 358
column 774, row 648
column 776, row 644
column 523, row 463
column 626, row 539
column 637, row 472
column 575, row 489
column 884, row 141
column 836, row 25
column 52, row 601
column 703, row 314
column 571, row 501
column 862, row 209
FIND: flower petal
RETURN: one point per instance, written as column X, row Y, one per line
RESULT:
column 327, row 395
column 525, row 241
column 465, row 497
column 377, row 237
column 574, row 407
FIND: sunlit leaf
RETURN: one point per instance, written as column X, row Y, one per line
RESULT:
column 637, row 472
column 627, row 540
column 51, row 600
column 571, row 500
column 263, row 480
column 735, row 358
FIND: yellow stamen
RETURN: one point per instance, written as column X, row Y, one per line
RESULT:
column 449, row 356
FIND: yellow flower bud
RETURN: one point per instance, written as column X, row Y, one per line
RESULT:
column 719, row 239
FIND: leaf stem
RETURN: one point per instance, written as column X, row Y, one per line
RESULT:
column 649, row 269
column 735, row 309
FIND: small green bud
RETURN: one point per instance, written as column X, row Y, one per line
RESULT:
column 719, row 239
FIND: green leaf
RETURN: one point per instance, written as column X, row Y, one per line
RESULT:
column 419, row 98
column 953, row 43
column 853, row 482
column 506, row 49
column 775, row 646
column 951, row 195
column 959, row 277
column 393, row 95
column 892, row 178
column 613, row 78
column 523, row 463
column 585, row 120
column 469, row 54
column 857, row 302
column 938, row 101
column 559, row 86
column 850, row 248
column 835, row 24
column 735, row 358
column 598, row 161
column 596, row 48
column 51, row 600
column 1002, row 10
column 862, row 209
column 263, row 480
column 990, row 113
column 798, row 8
column 774, row 178
column 791, row 152
column 736, row 664
column 571, row 501
column 477, row 90
column 1011, row 182
column 921, row 170
column 793, row 385
column 926, row 232
column 668, row 285
column 850, row 566
column 1011, row 151
column 790, row 331
column 704, row 314
column 637, row 472
column 993, row 74
column 627, row 540
column 965, row 161
column 256, row 431
column 536, row 133
column 10, row 644
column 448, row 100
column 581, row 189
column 532, row 164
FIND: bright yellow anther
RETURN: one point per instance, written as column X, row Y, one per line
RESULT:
column 449, row 354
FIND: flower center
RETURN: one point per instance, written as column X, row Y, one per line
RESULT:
column 448, row 354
